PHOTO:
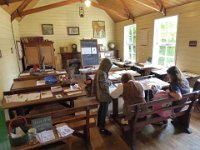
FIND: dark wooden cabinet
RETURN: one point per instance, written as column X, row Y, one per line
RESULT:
column 68, row 56
column 35, row 51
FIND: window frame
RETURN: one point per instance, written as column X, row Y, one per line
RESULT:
column 127, row 44
column 157, row 43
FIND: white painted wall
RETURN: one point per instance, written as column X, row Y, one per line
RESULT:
column 8, row 63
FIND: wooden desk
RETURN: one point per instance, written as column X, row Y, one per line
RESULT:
column 30, row 85
column 41, row 76
column 53, row 99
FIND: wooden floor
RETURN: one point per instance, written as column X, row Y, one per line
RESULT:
column 151, row 138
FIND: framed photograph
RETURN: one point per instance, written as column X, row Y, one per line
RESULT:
column 99, row 30
column 73, row 30
column 47, row 29
column 19, row 49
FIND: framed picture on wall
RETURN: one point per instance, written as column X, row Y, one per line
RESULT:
column 99, row 30
column 73, row 30
column 47, row 29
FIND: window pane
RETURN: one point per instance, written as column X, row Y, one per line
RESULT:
column 163, row 26
column 162, row 50
column 163, row 37
column 171, row 26
column 172, row 37
column 170, row 61
column 161, row 61
column 170, row 51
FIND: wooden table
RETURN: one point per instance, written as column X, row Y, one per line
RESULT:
column 22, row 108
column 30, row 76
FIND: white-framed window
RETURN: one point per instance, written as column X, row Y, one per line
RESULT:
column 130, row 43
column 164, row 47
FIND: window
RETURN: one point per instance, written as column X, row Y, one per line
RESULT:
column 164, row 49
column 130, row 43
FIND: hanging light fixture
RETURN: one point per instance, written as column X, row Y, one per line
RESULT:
column 87, row 3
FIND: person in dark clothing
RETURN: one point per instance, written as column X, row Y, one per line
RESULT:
column 101, row 91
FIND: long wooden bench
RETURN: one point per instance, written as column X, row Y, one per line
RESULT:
column 138, row 117
column 81, row 119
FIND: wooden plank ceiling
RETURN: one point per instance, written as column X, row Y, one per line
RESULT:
column 118, row 10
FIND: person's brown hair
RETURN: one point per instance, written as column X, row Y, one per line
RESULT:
column 176, row 74
column 126, row 77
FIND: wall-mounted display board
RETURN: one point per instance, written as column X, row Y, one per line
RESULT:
column 89, row 52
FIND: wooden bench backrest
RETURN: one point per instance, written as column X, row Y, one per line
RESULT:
column 139, row 111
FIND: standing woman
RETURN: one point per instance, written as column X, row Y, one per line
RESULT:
column 178, row 86
column 101, row 91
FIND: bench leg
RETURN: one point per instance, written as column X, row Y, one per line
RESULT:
column 184, row 121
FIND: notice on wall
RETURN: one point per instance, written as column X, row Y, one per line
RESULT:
column 89, row 53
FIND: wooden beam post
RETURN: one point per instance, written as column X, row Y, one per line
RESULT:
column 162, row 8
column 100, row 6
column 7, row 2
column 17, row 12
column 130, row 15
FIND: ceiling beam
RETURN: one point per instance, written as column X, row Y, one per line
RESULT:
column 7, row 2
column 162, row 8
column 47, row 7
column 114, row 12
column 151, row 6
column 63, row 3
column 129, row 13
column 21, row 7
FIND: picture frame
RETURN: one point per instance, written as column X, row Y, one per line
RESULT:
column 47, row 29
column 73, row 30
column 19, row 49
column 99, row 30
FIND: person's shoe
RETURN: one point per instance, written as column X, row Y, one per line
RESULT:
column 105, row 132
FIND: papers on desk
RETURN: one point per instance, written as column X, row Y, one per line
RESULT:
column 22, row 97
column 45, row 136
column 147, row 83
column 15, row 98
column 24, row 74
column 40, row 82
column 87, row 70
column 55, row 89
column 73, row 90
column 33, row 96
column 46, row 94
column 133, row 73
column 63, row 130
column 114, row 76
column 61, row 72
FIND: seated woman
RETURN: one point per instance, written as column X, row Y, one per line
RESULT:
column 131, row 91
column 178, row 85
